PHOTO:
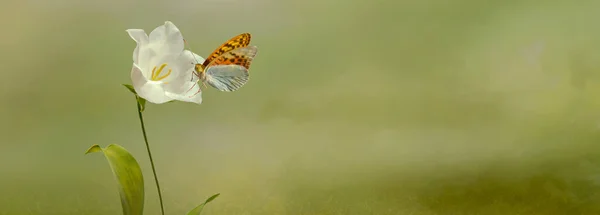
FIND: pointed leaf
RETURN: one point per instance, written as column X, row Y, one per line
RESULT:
column 213, row 197
column 197, row 210
column 129, row 177
column 130, row 88
column 94, row 148
column 142, row 103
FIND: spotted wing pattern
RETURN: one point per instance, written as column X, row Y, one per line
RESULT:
column 240, row 56
column 229, row 71
column 238, row 41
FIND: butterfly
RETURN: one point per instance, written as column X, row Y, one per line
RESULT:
column 226, row 68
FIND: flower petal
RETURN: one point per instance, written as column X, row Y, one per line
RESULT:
column 187, row 63
column 137, row 78
column 187, row 58
column 180, row 83
column 167, row 38
column 140, row 37
column 186, row 87
column 149, row 90
column 194, row 96
column 153, row 92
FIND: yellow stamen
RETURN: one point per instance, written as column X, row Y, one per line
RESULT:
column 166, row 75
column 156, row 73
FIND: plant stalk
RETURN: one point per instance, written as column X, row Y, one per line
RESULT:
column 162, row 209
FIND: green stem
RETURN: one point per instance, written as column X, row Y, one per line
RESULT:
column 162, row 209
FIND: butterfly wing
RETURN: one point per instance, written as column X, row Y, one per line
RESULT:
column 229, row 71
column 227, row 78
column 238, row 41
column 241, row 56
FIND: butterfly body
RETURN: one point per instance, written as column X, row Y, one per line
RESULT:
column 226, row 69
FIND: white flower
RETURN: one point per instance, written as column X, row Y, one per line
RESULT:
column 162, row 71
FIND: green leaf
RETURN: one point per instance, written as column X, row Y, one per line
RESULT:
column 94, row 148
column 142, row 103
column 139, row 99
column 197, row 210
column 129, row 177
column 130, row 88
column 213, row 197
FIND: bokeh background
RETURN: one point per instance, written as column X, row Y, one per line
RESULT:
column 353, row 107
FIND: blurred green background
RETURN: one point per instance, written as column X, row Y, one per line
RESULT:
column 353, row 107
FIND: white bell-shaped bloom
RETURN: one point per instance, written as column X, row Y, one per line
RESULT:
column 162, row 70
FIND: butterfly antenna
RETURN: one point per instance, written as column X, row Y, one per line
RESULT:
column 194, row 57
column 192, row 52
column 194, row 71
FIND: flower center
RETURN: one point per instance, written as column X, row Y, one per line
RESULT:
column 156, row 73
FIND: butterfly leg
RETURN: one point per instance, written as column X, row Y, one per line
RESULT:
column 199, row 90
column 191, row 87
column 196, row 74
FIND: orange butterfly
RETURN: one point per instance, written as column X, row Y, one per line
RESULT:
column 226, row 69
